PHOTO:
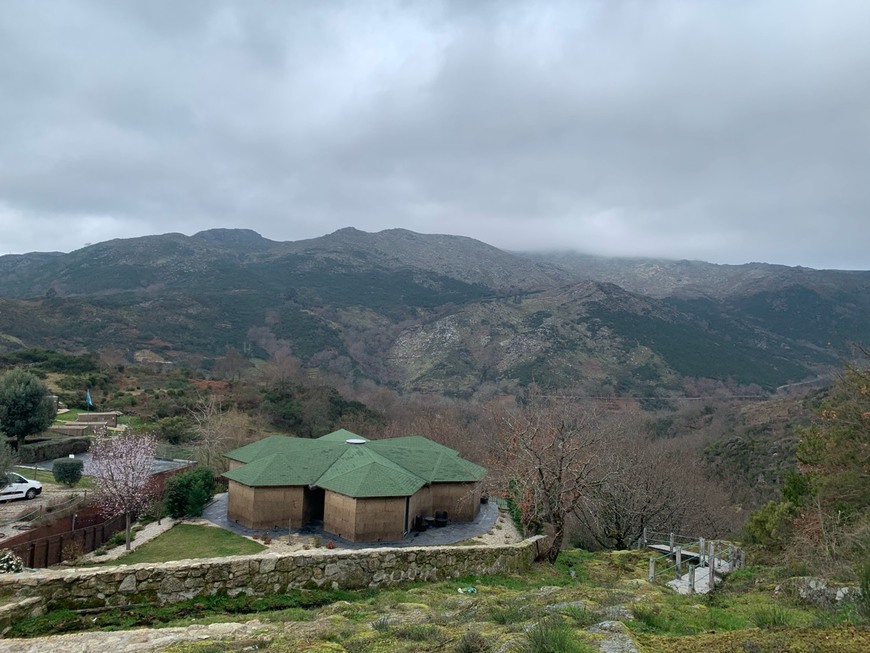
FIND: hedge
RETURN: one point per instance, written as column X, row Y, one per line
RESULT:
column 35, row 452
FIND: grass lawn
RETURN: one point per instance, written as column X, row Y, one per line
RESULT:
column 184, row 541
column 47, row 478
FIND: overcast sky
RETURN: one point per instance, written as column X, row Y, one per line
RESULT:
column 728, row 131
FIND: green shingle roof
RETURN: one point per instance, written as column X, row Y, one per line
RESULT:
column 341, row 435
column 361, row 472
column 376, row 468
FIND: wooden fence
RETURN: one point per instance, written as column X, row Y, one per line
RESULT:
column 48, row 551
column 73, row 534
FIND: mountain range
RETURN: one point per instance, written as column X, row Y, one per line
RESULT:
column 436, row 313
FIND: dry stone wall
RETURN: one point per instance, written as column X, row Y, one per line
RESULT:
column 256, row 575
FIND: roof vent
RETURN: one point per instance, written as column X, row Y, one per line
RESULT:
column 355, row 441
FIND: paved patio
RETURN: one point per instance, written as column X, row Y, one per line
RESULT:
column 216, row 513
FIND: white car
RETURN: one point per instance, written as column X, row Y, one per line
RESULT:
column 18, row 487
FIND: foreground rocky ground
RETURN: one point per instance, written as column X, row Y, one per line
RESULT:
column 585, row 602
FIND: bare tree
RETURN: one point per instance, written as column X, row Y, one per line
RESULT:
column 121, row 467
column 551, row 455
column 659, row 484
column 232, row 365
column 218, row 431
column 8, row 459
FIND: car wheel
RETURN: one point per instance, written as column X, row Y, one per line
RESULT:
column 30, row 494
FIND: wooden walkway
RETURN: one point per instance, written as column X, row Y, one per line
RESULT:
column 695, row 564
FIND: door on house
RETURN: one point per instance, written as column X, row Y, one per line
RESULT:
column 314, row 499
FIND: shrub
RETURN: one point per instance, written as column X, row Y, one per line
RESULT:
column 67, row 471
column 472, row 642
column 419, row 633
column 770, row 525
column 10, row 563
column 188, row 493
column 119, row 539
column 48, row 449
column 864, row 588
column 153, row 512
column 770, row 617
column 381, row 624
column 72, row 550
column 552, row 635
column 650, row 616
column 174, row 430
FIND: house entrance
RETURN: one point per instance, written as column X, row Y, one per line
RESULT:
column 313, row 501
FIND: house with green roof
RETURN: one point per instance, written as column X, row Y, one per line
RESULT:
column 362, row 490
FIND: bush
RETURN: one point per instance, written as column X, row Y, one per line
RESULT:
column 67, row 471
column 174, row 430
column 864, row 588
column 552, row 635
column 770, row 525
column 119, row 539
column 472, row 642
column 34, row 452
column 72, row 550
column 188, row 493
column 10, row 563
column 771, row 616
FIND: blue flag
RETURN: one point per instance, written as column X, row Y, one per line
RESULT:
column 88, row 398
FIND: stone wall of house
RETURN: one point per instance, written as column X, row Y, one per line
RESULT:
column 256, row 575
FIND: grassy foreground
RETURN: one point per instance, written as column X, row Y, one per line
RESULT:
column 547, row 611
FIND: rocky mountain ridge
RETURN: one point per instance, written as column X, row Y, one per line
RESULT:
column 438, row 313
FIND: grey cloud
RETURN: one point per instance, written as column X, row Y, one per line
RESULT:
column 718, row 130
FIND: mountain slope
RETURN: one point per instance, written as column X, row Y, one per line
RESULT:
column 437, row 313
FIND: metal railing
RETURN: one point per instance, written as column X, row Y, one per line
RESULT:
column 689, row 554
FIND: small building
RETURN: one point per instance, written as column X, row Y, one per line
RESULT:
column 109, row 419
column 362, row 490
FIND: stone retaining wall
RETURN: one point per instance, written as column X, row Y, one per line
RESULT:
column 255, row 575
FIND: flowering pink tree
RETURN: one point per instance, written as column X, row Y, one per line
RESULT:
column 121, row 467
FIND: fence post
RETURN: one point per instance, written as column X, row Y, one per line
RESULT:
column 741, row 559
column 700, row 550
column 678, row 568
column 643, row 539
column 691, row 579
column 672, row 543
column 652, row 570
column 712, row 566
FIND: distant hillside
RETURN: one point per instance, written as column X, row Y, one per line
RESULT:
column 438, row 313
column 692, row 279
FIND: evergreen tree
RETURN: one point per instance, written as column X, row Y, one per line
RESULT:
column 26, row 406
